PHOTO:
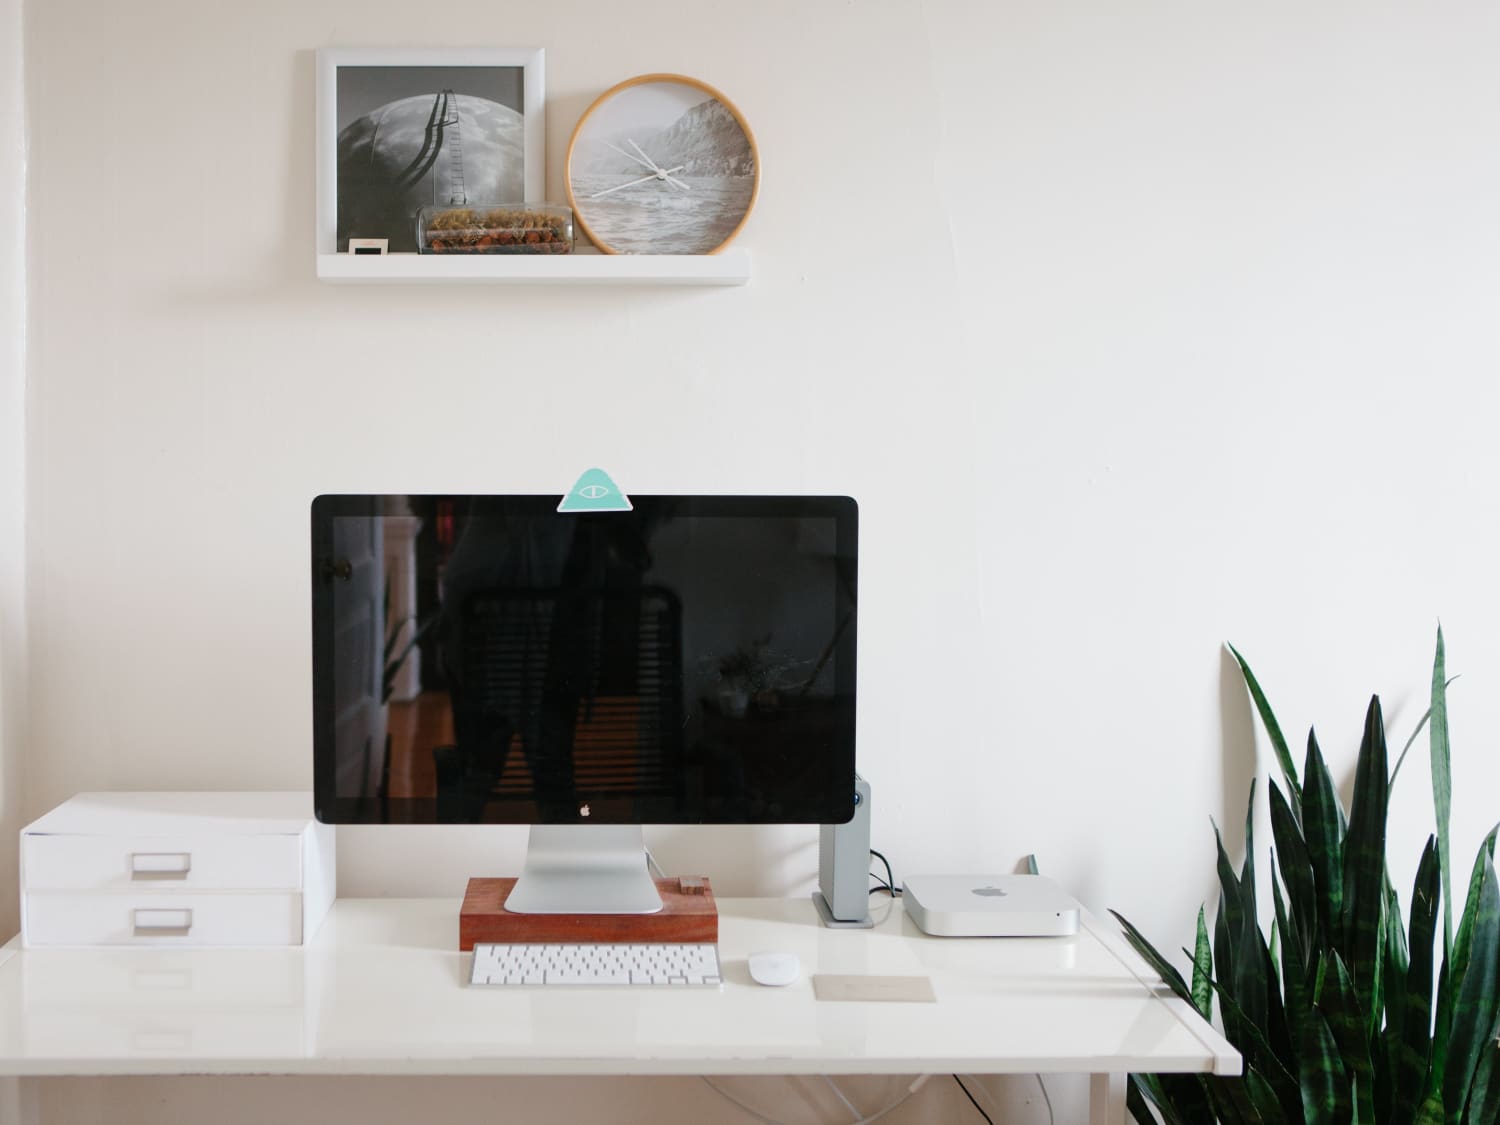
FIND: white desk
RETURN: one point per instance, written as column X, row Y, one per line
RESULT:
column 381, row 990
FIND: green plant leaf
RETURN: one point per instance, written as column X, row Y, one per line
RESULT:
column 1442, row 1028
column 1478, row 998
column 1484, row 1092
column 1147, row 1088
column 1296, row 869
column 1450, row 977
column 1267, row 1109
column 1431, row 1112
column 1463, row 943
column 1349, row 1024
column 1442, row 784
column 1322, row 822
column 1416, row 1020
column 1203, row 967
column 1397, row 965
column 1149, row 954
column 1139, row 1105
column 1364, row 864
column 1324, row 1086
column 1233, row 1102
column 1293, row 972
column 1229, row 932
column 1415, row 734
column 1273, row 730
column 1258, row 1052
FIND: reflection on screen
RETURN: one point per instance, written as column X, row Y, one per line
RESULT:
column 495, row 661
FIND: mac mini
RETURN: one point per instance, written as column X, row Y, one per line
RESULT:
column 990, row 906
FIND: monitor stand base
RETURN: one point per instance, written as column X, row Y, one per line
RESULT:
column 825, row 912
column 689, row 914
column 573, row 869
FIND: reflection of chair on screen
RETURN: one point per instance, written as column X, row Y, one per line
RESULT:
column 585, row 685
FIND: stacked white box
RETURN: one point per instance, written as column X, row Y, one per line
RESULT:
column 176, row 869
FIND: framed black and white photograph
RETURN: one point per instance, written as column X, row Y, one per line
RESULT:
column 401, row 129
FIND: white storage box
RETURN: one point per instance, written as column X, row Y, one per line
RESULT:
column 176, row 869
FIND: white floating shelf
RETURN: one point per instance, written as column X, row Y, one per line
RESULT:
column 731, row 267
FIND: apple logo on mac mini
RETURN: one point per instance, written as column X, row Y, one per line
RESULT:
column 988, row 892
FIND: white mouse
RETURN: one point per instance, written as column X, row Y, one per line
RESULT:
column 774, row 969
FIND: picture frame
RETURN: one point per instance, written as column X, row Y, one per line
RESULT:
column 414, row 126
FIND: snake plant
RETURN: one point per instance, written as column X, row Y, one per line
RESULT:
column 1346, row 1013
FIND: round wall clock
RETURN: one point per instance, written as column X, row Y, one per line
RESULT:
column 662, row 164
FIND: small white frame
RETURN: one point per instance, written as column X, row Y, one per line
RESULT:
column 534, row 128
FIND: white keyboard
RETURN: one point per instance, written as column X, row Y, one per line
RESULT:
column 662, row 964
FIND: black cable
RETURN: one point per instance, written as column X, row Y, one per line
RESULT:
column 970, row 1096
column 890, row 879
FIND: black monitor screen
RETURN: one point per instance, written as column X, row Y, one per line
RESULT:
column 487, row 659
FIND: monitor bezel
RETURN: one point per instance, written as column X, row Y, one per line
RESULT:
column 804, row 808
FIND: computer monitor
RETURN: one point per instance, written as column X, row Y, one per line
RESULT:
column 487, row 659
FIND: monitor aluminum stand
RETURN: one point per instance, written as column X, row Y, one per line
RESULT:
column 585, row 869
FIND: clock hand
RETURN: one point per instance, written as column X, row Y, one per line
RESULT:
column 665, row 174
column 649, row 162
column 622, row 187
column 638, row 160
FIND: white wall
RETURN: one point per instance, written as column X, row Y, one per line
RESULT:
column 1135, row 328
column 13, row 696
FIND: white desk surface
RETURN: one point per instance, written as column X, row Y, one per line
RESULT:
column 382, row 990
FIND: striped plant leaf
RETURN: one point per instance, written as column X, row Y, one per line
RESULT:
column 1431, row 1111
column 1139, row 1104
column 1322, row 822
column 1415, row 734
column 1257, row 1052
column 1230, row 953
column 1149, row 954
column 1477, row 998
column 1203, row 967
column 1273, row 730
column 1223, row 962
column 1293, row 974
column 1364, row 864
column 1484, row 1092
column 1450, row 977
column 1251, row 971
column 1324, row 1086
column 1463, row 943
column 1388, row 1046
column 1267, row 1109
column 1180, row 1098
column 1349, row 1023
column 1442, row 783
column 1296, row 867
column 1416, row 1021
column 1232, row 1102
column 1442, row 1029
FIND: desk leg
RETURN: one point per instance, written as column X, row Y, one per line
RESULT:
column 1107, row 1099
column 18, row 1102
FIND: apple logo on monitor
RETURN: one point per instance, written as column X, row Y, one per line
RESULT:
column 583, row 810
column 989, row 892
